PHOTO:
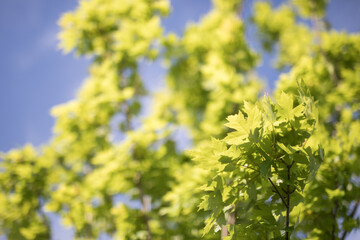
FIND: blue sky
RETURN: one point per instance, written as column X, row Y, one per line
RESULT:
column 35, row 75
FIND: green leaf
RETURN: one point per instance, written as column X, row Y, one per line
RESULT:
column 335, row 194
column 231, row 232
column 265, row 168
column 288, row 149
column 251, row 190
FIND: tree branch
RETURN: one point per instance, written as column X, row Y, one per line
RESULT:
column 287, row 236
column 277, row 191
column 230, row 220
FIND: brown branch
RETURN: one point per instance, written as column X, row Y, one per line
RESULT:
column 230, row 220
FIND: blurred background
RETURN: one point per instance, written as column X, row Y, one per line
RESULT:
column 36, row 75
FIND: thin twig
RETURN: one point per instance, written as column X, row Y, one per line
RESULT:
column 287, row 165
column 277, row 191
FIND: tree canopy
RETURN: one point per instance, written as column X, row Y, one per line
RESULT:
column 278, row 165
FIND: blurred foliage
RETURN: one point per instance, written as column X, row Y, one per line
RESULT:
column 281, row 167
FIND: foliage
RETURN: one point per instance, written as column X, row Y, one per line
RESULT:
column 255, row 169
column 24, row 186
